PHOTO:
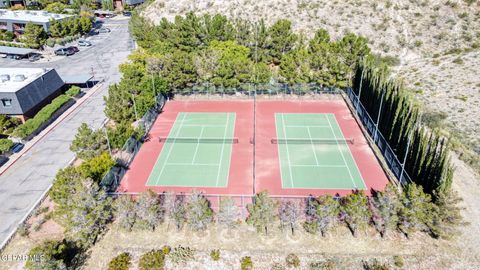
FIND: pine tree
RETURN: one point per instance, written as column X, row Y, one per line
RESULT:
column 417, row 210
column 228, row 214
column 86, row 214
column 198, row 212
column 178, row 213
column 355, row 211
column 385, row 207
column 289, row 213
column 327, row 210
column 125, row 212
column 148, row 210
column 447, row 215
column 262, row 212
column 88, row 143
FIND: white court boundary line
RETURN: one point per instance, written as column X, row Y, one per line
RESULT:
column 313, row 146
column 350, row 154
column 288, row 153
column 171, row 147
column 198, row 145
column 341, row 152
column 223, row 147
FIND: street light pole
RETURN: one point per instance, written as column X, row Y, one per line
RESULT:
column 135, row 107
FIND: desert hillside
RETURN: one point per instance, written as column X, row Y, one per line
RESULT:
column 436, row 43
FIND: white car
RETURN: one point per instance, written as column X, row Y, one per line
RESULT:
column 2, row 55
column 84, row 43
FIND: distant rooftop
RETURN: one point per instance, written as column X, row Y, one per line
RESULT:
column 15, row 50
column 14, row 79
column 38, row 16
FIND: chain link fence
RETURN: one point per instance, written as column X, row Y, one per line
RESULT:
column 129, row 150
column 371, row 126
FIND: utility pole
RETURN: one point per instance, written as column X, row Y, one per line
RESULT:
column 104, row 127
column 378, row 118
column 135, row 107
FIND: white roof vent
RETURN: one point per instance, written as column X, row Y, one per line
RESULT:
column 4, row 77
column 19, row 78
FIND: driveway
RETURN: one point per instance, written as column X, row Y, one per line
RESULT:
column 25, row 182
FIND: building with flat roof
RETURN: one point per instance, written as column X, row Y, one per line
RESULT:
column 24, row 91
column 15, row 21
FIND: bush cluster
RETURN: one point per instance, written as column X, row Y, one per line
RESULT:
column 181, row 255
column 41, row 117
column 121, row 262
column 154, row 259
column 5, row 145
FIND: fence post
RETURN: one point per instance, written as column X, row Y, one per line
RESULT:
column 378, row 118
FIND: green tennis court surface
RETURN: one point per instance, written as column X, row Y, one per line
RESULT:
column 196, row 152
column 313, row 153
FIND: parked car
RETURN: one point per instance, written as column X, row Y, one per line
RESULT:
column 2, row 55
column 93, row 32
column 127, row 13
column 74, row 49
column 64, row 51
column 3, row 160
column 17, row 147
column 84, row 43
column 34, row 57
column 104, row 30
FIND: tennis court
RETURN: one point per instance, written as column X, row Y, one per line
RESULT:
column 196, row 152
column 314, row 154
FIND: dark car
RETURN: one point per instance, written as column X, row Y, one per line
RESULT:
column 17, row 147
column 93, row 32
column 34, row 57
column 64, row 51
column 127, row 13
column 74, row 49
column 3, row 160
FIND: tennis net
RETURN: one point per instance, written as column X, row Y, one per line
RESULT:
column 198, row 140
column 312, row 141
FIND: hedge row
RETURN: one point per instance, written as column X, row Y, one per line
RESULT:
column 41, row 117
column 5, row 145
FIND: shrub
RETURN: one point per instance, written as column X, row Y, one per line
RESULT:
column 73, row 91
column 398, row 261
column 5, row 145
column 23, row 230
column 121, row 262
column 215, row 254
column 292, row 260
column 50, row 42
column 374, row 265
column 41, row 117
column 166, row 249
column 278, row 266
column 154, row 259
column 53, row 254
column 181, row 255
column 246, row 263
column 326, row 265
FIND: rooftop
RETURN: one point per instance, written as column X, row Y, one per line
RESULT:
column 15, row 50
column 14, row 79
column 37, row 16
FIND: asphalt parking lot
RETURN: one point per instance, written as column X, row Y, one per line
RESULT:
column 24, row 182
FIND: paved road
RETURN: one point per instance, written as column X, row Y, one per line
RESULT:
column 29, row 177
